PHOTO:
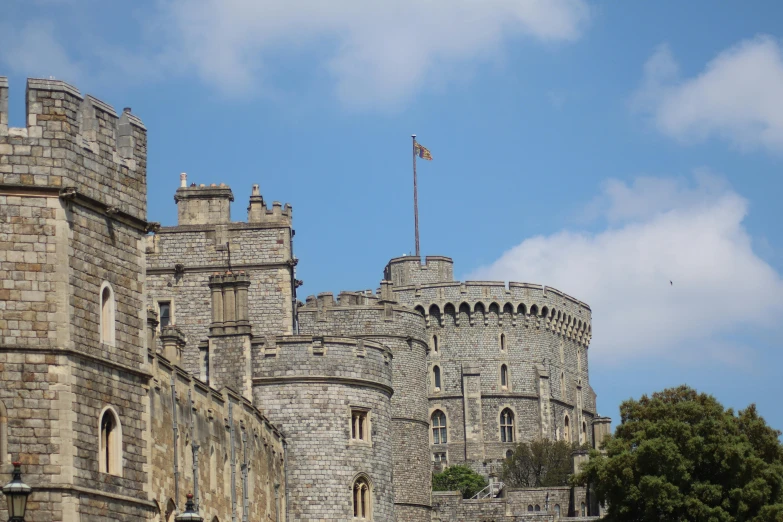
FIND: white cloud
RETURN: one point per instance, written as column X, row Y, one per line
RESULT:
column 736, row 97
column 660, row 230
column 33, row 50
column 379, row 53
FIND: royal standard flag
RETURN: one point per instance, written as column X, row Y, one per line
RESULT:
column 423, row 152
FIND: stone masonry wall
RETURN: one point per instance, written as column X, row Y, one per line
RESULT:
column 540, row 327
column 308, row 386
column 402, row 331
column 73, row 194
column 517, row 505
column 263, row 251
column 204, row 420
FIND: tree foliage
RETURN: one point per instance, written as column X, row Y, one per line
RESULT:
column 540, row 463
column 458, row 478
column 680, row 456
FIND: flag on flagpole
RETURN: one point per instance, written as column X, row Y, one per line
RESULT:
column 423, row 152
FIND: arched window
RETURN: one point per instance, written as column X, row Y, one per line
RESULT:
column 435, row 343
column 509, row 454
column 584, row 510
column 171, row 508
column 530, row 507
column 436, row 377
column 439, row 427
column 557, row 510
column 107, row 315
column 362, row 501
column 538, row 508
column 502, row 342
column 566, row 430
column 583, row 436
column 507, row 426
column 110, row 443
column 503, row 375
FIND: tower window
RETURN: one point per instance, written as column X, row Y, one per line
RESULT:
column 107, row 315
column 440, row 457
column 503, row 375
column 502, row 342
column 436, row 377
column 435, row 343
column 165, row 313
column 439, row 427
column 110, row 444
column 204, row 370
column 362, row 508
column 507, row 425
column 566, row 430
column 359, row 425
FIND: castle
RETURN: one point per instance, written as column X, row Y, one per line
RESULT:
column 142, row 362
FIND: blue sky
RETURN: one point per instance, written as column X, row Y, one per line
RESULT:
column 603, row 148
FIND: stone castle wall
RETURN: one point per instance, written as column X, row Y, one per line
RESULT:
column 309, row 386
column 262, row 249
column 73, row 194
column 210, row 419
column 402, row 330
column 539, row 334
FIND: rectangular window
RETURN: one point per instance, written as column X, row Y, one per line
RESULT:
column 204, row 369
column 440, row 457
column 164, row 314
column 359, row 426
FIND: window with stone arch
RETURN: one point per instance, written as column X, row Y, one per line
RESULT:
column 435, row 347
column 110, row 443
column 507, row 425
column 557, row 510
column 362, row 498
column 107, row 314
column 436, row 377
column 504, row 376
column 566, row 429
column 502, row 342
column 439, row 428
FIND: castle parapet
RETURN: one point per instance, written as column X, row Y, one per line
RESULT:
column 408, row 270
column 78, row 143
column 257, row 211
column 203, row 205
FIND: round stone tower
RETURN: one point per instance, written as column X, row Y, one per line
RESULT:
column 364, row 315
column 332, row 399
column 506, row 363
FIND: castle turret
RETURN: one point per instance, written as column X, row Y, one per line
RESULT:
column 362, row 315
column 332, row 398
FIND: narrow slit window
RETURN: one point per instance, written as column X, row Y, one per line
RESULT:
column 566, row 430
column 502, row 342
column 361, row 499
column 436, row 376
column 107, row 315
column 110, row 444
column 435, row 343
column 504, row 375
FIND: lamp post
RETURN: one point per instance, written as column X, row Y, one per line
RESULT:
column 190, row 514
column 16, row 493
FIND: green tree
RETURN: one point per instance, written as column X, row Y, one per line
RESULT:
column 680, row 456
column 540, row 463
column 458, row 478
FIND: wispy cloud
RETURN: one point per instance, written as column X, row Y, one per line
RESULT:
column 658, row 230
column 372, row 54
column 736, row 97
column 33, row 50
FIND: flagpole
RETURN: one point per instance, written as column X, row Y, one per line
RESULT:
column 415, row 197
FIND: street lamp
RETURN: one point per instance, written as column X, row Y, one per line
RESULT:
column 190, row 514
column 16, row 493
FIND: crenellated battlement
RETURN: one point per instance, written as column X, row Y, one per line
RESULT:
column 474, row 303
column 257, row 211
column 76, row 142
